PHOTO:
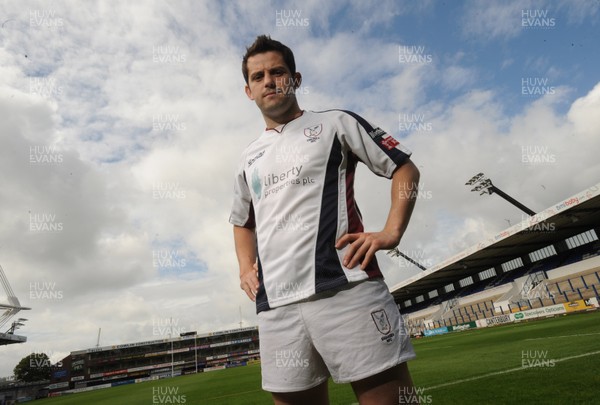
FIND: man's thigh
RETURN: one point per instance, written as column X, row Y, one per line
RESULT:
column 314, row 396
column 391, row 387
column 289, row 361
column 358, row 331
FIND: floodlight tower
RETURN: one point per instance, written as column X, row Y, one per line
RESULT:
column 16, row 325
column 485, row 185
column 396, row 252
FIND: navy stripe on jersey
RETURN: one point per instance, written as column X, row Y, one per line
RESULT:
column 251, row 222
column 328, row 269
column 354, row 216
column 395, row 154
column 262, row 301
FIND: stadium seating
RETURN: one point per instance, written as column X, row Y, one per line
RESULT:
column 452, row 311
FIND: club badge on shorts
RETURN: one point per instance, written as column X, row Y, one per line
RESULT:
column 382, row 323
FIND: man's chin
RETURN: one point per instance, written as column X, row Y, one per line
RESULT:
column 274, row 109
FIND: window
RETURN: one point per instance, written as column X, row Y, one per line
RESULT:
column 466, row 281
column 581, row 239
column 489, row 273
column 542, row 253
column 512, row 264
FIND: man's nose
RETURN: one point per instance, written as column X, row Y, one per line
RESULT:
column 269, row 80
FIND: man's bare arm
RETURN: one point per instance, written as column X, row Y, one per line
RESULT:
column 363, row 245
column 245, row 249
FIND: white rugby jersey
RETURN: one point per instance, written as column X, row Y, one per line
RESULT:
column 295, row 187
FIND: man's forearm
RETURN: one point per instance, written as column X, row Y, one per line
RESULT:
column 245, row 246
column 405, row 181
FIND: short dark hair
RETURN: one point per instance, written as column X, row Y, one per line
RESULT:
column 264, row 43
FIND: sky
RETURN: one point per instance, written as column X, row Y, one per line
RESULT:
column 123, row 122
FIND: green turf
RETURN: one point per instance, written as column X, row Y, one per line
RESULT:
column 444, row 359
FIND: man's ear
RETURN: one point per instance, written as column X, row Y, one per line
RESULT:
column 248, row 92
column 297, row 80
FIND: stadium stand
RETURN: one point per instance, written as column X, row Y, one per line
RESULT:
column 107, row 366
column 551, row 258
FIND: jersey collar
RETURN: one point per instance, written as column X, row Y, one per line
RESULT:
column 279, row 128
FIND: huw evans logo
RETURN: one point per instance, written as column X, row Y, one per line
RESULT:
column 537, row 19
column 413, row 122
column 44, row 291
column 42, row 360
column 290, row 18
column 42, row 154
column 290, row 359
column 536, row 358
column 43, row 222
column 413, row 54
column 290, row 222
column 536, row 86
column 290, row 154
column 537, row 154
column 413, row 395
column 45, row 19
column 167, row 395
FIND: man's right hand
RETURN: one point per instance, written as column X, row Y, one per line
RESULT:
column 249, row 281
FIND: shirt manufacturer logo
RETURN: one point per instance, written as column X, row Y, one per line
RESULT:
column 377, row 133
column 255, row 158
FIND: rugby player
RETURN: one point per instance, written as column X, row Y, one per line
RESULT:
column 304, row 257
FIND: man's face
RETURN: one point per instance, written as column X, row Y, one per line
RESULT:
column 270, row 83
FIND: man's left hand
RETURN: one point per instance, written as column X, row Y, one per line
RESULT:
column 364, row 245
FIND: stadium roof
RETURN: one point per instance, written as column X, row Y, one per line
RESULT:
column 10, row 310
column 567, row 218
column 9, row 338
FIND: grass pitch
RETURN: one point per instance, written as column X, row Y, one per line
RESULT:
column 550, row 361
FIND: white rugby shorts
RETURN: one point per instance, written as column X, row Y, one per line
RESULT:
column 350, row 333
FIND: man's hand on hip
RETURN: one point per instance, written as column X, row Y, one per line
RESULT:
column 362, row 246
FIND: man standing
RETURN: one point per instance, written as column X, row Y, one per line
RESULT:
column 304, row 258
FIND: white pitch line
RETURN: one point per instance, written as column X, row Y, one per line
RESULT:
column 506, row 371
column 580, row 334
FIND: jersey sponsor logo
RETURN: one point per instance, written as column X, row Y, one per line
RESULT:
column 255, row 158
column 383, row 139
column 256, row 184
column 312, row 133
column 389, row 143
column 273, row 183
column 271, row 179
